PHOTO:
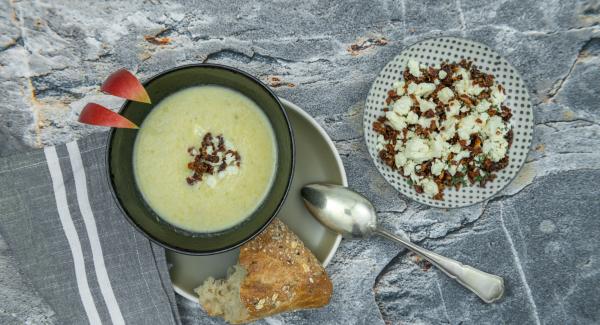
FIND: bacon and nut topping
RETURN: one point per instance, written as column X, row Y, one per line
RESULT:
column 213, row 160
column 444, row 126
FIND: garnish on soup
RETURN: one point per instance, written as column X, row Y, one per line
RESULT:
column 214, row 159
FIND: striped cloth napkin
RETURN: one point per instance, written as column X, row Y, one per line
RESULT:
column 70, row 239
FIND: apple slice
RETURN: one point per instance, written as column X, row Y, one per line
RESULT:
column 124, row 84
column 96, row 114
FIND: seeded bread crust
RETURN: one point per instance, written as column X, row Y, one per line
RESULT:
column 283, row 274
column 279, row 274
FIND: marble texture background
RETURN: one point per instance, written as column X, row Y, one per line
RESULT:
column 541, row 234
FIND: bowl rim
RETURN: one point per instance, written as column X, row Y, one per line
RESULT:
column 279, row 204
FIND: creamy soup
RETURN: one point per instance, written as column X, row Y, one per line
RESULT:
column 205, row 158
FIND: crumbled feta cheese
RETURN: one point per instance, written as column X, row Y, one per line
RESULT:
column 462, row 86
column 495, row 148
column 229, row 159
column 402, row 105
column 497, row 97
column 413, row 68
column 445, row 95
column 429, row 187
column 461, row 155
column 495, row 127
column 409, row 168
column 455, row 148
column 400, row 88
column 396, row 120
column 484, row 116
column 436, row 82
column 424, row 122
column 417, row 150
column 424, row 89
column 442, row 74
column 437, row 167
column 468, row 126
column 482, row 106
column 481, row 119
column 452, row 170
column 474, row 90
column 415, row 178
column 400, row 159
column 449, row 128
column 411, row 88
column 412, row 118
column 454, row 108
column 425, row 105
column 439, row 147
column 380, row 142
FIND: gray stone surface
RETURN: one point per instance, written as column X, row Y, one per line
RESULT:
column 540, row 233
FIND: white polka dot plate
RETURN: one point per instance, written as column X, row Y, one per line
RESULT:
column 433, row 51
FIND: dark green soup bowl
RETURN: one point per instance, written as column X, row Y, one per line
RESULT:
column 121, row 168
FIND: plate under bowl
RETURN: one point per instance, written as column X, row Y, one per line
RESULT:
column 121, row 168
column 317, row 161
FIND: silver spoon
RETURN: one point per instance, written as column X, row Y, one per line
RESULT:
column 353, row 216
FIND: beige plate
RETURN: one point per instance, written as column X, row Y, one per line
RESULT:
column 317, row 160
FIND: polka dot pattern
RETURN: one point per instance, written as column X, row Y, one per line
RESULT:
column 434, row 51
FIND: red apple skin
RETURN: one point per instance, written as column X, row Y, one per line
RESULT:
column 124, row 84
column 96, row 114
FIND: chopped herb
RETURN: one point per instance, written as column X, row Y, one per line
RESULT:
column 456, row 180
column 479, row 159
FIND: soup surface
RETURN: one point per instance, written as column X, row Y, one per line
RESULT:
column 205, row 158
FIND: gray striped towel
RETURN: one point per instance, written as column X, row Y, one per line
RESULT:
column 70, row 239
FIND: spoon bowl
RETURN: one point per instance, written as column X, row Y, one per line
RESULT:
column 345, row 212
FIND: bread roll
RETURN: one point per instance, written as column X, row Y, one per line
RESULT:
column 275, row 274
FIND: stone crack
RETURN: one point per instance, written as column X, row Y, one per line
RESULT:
column 437, row 284
column 461, row 15
column 559, row 84
column 517, row 260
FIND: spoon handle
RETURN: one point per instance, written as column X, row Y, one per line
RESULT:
column 487, row 286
